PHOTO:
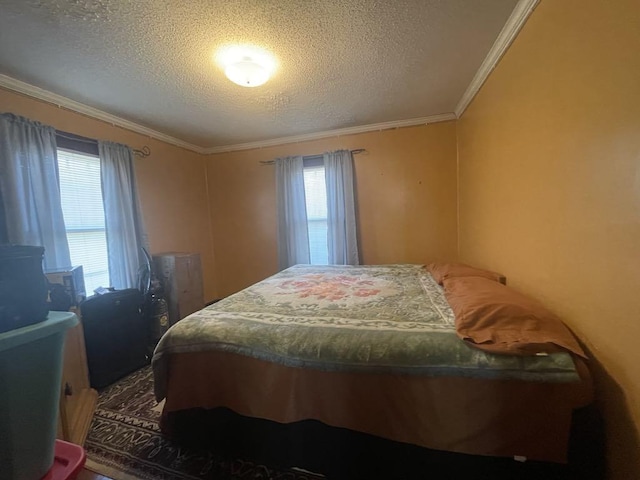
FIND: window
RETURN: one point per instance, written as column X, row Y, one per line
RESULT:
column 316, row 203
column 83, row 212
column 316, row 210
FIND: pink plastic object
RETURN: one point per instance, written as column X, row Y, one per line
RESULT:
column 67, row 462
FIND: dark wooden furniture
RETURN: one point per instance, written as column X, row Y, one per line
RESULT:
column 181, row 277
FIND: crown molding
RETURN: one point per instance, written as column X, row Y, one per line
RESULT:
column 507, row 35
column 516, row 20
column 373, row 127
column 518, row 17
column 66, row 103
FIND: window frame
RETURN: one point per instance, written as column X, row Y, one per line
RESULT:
column 88, row 148
column 309, row 162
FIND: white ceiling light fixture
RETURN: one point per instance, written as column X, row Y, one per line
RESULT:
column 247, row 73
column 246, row 66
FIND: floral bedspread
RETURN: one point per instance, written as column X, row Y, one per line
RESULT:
column 388, row 318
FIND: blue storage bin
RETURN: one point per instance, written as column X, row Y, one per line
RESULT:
column 30, row 377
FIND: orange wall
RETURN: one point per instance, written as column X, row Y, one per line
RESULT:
column 406, row 201
column 549, row 188
column 172, row 181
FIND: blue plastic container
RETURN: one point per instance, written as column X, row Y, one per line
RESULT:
column 30, row 376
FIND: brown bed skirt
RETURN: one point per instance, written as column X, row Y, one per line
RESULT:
column 465, row 415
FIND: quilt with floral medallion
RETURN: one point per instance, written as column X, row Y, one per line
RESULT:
column 378, row 318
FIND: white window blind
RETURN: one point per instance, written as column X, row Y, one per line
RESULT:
column 83, row 212
column 316, row 203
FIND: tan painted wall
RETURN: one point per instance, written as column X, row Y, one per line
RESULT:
column 549, row 188
column 172, row 181
column 406, row 201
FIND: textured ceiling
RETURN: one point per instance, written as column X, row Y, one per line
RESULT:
column 342, row 63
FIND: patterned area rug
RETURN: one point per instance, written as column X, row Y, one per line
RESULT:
column 125, row 442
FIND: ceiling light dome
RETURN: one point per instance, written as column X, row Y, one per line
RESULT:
column 246, row 66
column 247, row 73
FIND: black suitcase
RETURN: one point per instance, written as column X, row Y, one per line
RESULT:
column 23, row 287
column 116, row 334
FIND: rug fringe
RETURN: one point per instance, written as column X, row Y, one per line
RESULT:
column 303, row 470
column 107, row 471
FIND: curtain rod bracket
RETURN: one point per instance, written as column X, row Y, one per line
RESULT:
column 143, row 152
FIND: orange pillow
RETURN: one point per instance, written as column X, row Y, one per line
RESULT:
column 442, row 271
column 496, row 318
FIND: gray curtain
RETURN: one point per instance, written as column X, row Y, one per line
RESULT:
column 341, row 213
column 30, row 189
column 123, row 219
column 293, row 235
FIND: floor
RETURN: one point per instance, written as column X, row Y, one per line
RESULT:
column 89, row 475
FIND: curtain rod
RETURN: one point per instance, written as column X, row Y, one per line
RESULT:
column 138, row 152
column 353, row 152
column 77, row 138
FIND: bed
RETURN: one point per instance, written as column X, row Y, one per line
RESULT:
column 372, row 349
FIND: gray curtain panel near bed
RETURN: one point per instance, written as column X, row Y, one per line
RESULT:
column 293, row 236
column 123, row 218
column 30, row 191
column 341, row 212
